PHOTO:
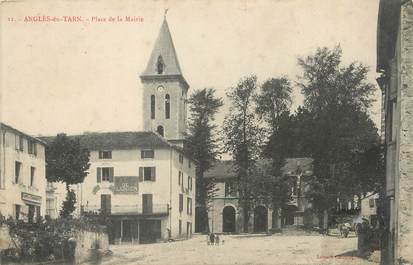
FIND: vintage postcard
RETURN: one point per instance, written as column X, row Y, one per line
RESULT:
column 206, row 132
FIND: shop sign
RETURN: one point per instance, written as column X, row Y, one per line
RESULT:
column 31, row 198
column 125, row 185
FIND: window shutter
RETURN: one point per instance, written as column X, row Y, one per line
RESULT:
column 149, row 205
column 108, row 204
column 181, row 202
column 99, row 174
column 140, row 174
column 111, row 174
column 35, row 149
column 153, row 173
column 102, row 203
column 142, row 154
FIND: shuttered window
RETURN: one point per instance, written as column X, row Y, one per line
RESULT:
column 148, row 153
column 105, row 174
column 189, row 206
column 189, row 183
column 21, row 143
column 99, row 174
column 181, row 202
column 105, row 203
column 147, row 174
column 16, row 142
column 17, row 169
column 32, row 172
column 105, row 154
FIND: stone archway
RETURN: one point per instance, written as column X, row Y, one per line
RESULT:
column 260, row 219
column 288, row 214
column 228, row 219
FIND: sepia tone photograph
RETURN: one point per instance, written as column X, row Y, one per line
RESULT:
column 206, row 132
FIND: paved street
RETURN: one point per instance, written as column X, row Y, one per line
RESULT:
column 243, row 249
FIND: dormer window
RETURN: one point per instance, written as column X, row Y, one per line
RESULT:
column 160, row 65
column 105, row 154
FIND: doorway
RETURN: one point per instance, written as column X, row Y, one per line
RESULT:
column 149, row 231
column 260, row 219
column 228, row 219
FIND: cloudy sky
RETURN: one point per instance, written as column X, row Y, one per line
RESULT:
column 84, row 76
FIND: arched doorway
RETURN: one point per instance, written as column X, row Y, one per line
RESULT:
column 160, row 130
column 228, row 219
column 260, row 219
column 288, row 214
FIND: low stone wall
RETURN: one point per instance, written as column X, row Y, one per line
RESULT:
column 90, row 245
column 5, row 240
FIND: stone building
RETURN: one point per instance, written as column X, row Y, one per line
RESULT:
column 22, row 175
column 395, row 64
column 368, row 208
column 225, row 213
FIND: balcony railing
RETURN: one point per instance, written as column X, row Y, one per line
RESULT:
column 128, row 209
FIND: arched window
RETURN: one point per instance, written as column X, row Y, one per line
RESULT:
column 160, row 130
column 153, row 107
column 160, row 65
column 167, row 106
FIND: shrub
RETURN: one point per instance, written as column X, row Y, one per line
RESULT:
column 46, row 239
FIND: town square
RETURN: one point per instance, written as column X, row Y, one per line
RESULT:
column 206, row 132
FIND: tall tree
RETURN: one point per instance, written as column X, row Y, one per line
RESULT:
column 273, row 104
column 242, row 139
column 337, row 99
column 273, row 100
column 66, row 162
column 202, row 144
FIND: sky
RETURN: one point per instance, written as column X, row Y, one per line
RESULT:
column 76, row 76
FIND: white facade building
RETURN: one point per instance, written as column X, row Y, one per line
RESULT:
column 142, row 182
column 22, row 175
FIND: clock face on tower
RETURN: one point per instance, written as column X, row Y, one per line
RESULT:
column 160, row 89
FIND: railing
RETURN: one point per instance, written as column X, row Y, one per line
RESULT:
column 129, row 209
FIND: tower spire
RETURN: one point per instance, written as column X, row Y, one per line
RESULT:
column 164, row 15
column 163, row 60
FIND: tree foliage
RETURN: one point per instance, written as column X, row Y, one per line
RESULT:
column 242, row 138
column 273, row 100
column 67, row 162
column 273, row 104
column 334, row 123
column 202, row 144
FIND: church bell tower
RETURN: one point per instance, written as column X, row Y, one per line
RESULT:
column 164, row 90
